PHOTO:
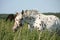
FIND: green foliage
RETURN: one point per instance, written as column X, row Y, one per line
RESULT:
column 56, row 14
column 23, row 33
column 4, row 16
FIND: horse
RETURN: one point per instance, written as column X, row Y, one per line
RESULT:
column 36, row 20
column 11, row 17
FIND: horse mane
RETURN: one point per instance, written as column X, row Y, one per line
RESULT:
column 30, row 12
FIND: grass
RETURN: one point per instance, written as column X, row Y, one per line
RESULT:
column 6, row 33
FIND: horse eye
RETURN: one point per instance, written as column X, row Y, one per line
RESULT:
column 22, row 19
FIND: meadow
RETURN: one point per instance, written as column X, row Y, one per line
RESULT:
column 6, row 33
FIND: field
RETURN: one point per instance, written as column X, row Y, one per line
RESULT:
column 6, row 33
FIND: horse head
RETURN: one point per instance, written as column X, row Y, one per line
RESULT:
column 18, row 20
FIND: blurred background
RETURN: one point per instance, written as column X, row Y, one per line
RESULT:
column 43, row 6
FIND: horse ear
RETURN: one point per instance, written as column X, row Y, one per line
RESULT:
column 16, row 13
column 22, row 12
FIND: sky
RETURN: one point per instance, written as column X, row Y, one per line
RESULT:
column 12, row 6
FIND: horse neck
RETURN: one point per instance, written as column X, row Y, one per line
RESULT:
column 29, row 14
column 26, row 19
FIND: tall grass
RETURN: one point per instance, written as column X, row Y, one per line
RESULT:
column 6, row 33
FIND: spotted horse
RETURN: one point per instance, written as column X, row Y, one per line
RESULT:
column 36, row 20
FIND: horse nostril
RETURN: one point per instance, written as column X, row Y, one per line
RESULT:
column 14, row 30
column 21, row 24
